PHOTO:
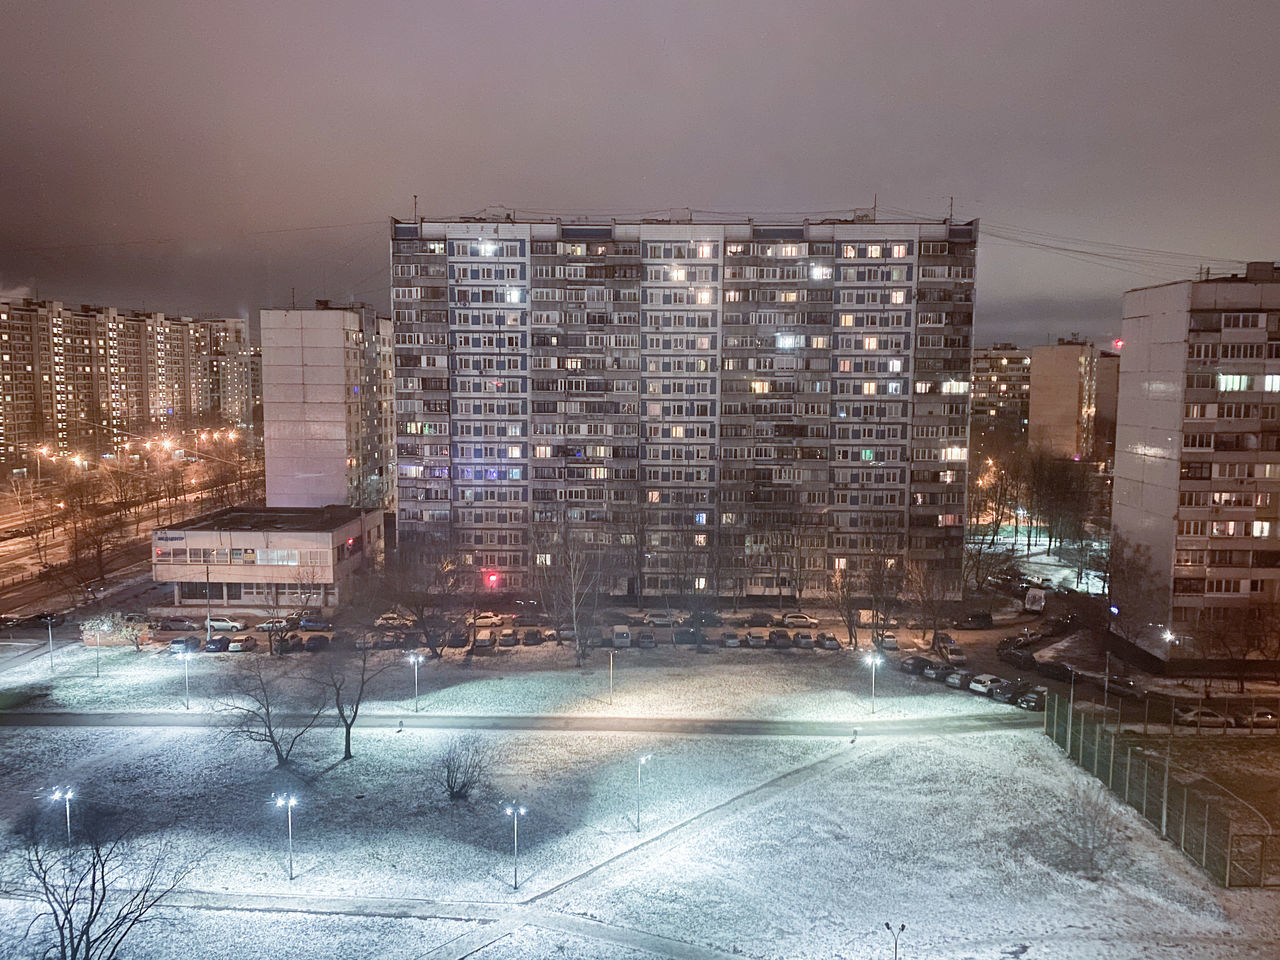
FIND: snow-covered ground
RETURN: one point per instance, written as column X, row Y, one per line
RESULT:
column 663, row 682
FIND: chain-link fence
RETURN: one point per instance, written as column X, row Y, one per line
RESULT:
column 1202, row 824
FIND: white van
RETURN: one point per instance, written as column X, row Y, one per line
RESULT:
column 621, row 636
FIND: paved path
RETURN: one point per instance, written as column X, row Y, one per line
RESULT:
column 959, row 723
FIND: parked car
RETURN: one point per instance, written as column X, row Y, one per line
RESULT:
column 1201, row 717
column 885, row 641
column 272, row 625
column 43, row 619
column 1057, row 626
column 943, row 639
column 312, row 622
column 799, row 620
column 388, row 640
column 937, row 670
column 730, row 639
column 1257, row 717
column 315, row 643
column 176, row 623
column 960, row 679
column 1054, row 670
column 366, row 640
column 529, row 618
column 456, row 639
column 1118, row 686
column 393, row 618
column 217, row 644
column 1009, row 691
column 983, row 683
column 508, row 637
column 660, row 620
column 531, row 637
column 803, row 640
column 645, row 639
column 703, row 618
column 757, row 639
column 828, row 641
column 291, row 643
column 484, row 640
column 913, row 665
column 620, row 635
column 486, row 619
column 779, row 639
column 243, row 643
column 1022, row 659
column 1032, row 699
column 760, row 620
column 955, row 655
column 224, row 624
column 686, row 635
column 189, row 644
column 976, row 620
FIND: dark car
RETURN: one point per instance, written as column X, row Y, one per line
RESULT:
column 315, row 643
column 759, row 620
column 1009, row 691
column 646, row 639
column 1118, row 686
column 1022, row 659
column 779, row 639
column 390, row 640
column 457, row 639
column 1057, row 626
column 508, row 637
column 290, row 643
column 1033, row 699
column 914, row 665
column 936, row 670
column 703, row 618
column 531, row 637
column 960, row 679
column 177, row 623
column 976, row 620
column 686, row 635
column 217, row 644
column 1054, row 670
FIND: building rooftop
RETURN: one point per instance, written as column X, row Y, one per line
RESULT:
column 295, row 519
column 587, row 220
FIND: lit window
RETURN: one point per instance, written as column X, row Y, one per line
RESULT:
column 873, row 250
column 513, row 451
column 655, row 496
column 868, row 387
column 705, row 251
column 898, row 296
column 759, row 386
column 542, row 450
column 1262, row 528
column 899, row 250
column 677, row 274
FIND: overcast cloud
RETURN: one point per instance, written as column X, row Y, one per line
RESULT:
column 196, row 128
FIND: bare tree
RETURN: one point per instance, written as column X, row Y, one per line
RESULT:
column 422, row 592
column 882, row 580
column 115, row 628
column 261, row 712
column 345, row 681
column 464, row 765
column 1092, row 829
column 34, row 511
column 844, row 593
column 928, row 589
column 94, row 893
column 1136, row 594
column 569, row 579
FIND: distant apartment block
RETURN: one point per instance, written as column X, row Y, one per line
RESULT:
column 1073, row 397
column 328, row 415
column 88, row 379
column 1197, row 468
column 740, row 407
column 1001, row 396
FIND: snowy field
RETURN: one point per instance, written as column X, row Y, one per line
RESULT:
column 752, row 847
column 663, row 682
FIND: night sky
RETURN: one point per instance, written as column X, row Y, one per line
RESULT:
column 181, row 156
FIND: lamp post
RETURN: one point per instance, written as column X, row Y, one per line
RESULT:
column 611, row 678
column 415, row 659
column 97, row 653
column 639, row 767
column 186, row 675
column 875, row 659
column 896, row 933
column 515, row 813
column 48, row 622
column 287, row 801
column 65, row 796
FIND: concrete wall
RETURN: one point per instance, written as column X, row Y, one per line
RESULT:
column 1058, row 381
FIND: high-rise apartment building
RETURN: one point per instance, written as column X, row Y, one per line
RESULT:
column 738, row 407
column 1197, row 468
column 232, row 371
column 328, row 415
column 1068, row 382
column 87, row 379
column 1001, row 397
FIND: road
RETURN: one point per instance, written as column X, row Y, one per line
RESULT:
column 962, row 723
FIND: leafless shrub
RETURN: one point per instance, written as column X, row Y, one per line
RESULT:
column 464, row 765
column 1092, row 830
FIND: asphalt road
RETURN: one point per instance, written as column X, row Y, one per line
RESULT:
column 962, row 723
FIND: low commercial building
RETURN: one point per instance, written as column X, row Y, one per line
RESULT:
column 260, row 560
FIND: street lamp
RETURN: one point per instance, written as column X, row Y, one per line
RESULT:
column 611, row 677
column 286, row 801
column 896, row 933
column 48, row 622
column 639, row 767
column 65, row 796
column 515, row 813
column 415, row 659
column 876, row 660
column 186, row 675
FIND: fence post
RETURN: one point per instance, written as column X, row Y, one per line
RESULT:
column 1071, row 709
column 1146, row 714
column 1262, row 856
column 1204, row 840
column 1145, row 770
column 1230, row 836
column 1111, row 765
column 1164, row 802
column 1097, row 745
column 1182, row 836
column 1056, row 698
column 1128, row 767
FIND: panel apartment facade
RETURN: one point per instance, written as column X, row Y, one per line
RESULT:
column 1001, row 395
column 1197, row 469
column 731, row 407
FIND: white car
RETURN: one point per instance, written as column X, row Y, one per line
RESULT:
column 955, row 655
column 394, row 619
column 983, row 683
column 266, row 626
column 242, row 643
column 828, row 641
column 1201, row 717
column 803, row 640
column 885, row 641
column 757, row 640
column 730, row 639
column 660, row 620
column 799, row 620
column 486, row 619
column 224, row 624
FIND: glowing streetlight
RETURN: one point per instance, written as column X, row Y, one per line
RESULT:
column 876, row 660
column 896, row 933
column 415, row 659
column 186, row 674
column 515, row 813
column 639, row 767
column 288, row 802
column 65, row 796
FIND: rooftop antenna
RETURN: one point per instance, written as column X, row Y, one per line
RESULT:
column 951, row 208
column 875, row 206
column 415, row 208
column 293, row 298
